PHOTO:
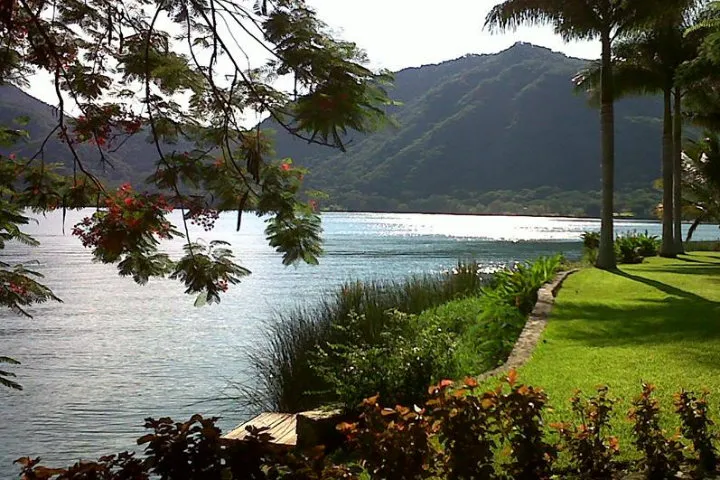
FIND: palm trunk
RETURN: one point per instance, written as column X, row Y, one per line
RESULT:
column 677, row 171
column 694, row 226
column 667, row 249
column 606, row 253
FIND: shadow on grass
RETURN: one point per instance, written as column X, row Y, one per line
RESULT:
column 686, row 320
column 688, row 258
column 687, row 266
column 669, row 289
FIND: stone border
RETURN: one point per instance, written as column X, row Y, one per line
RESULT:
column 530, row 335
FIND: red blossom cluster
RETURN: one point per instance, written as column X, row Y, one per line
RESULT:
column 129, row 216
column 17, row 289
column 204, row 217
column 91, row 131
column 222, row 285
column 131, row 126
column 99, row 124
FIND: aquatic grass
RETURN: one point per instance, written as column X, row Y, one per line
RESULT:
column 283, row 363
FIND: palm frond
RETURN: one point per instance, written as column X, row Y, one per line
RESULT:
column 572, row 19
column 628, row 80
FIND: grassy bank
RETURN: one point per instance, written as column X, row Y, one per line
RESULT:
column 657, row 322
column 396, row 338
column 356, row 313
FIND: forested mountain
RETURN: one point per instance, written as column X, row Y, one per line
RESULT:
column 484, row 123
column 501, row 133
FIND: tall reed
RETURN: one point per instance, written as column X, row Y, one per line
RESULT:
column 282, row 364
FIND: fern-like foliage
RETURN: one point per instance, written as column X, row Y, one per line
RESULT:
column 5, row 376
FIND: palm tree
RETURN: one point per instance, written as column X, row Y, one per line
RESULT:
column 647, row 62
column 581, row 20
column 701, row 181
column 703, row 100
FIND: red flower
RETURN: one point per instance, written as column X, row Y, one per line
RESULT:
column 11, row 156
column 128, row 201
column 125, row 187
column 285, row 167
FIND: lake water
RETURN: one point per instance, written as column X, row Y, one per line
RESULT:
column 114, row 353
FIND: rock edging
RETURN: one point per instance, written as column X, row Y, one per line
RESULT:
column 530, row 335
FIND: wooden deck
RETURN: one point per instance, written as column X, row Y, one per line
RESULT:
column 282, row 428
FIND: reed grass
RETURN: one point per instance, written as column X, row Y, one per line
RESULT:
column 282, row 365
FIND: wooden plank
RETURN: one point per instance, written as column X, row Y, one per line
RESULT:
column 282, row 427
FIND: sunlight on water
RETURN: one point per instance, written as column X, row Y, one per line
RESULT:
column 114, row 353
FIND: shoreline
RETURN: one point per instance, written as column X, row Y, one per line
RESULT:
column 389, row 212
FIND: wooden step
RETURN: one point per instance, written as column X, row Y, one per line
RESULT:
column 282, row 428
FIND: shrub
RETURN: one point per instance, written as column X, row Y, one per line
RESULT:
column 468, row 426
column 531, row 457
column 662, row 456
column 630, row 247
column 693, row 412
column 633, row 247
column 393, row 443
column 283, row 364
column 518, row 286
column 591, row 240
column 649, row 244
column 366, row 349
column 398, row 364
column 194, row 450
column 627, row 250
column 498, row 328
column 461, row 432
column 592, row 452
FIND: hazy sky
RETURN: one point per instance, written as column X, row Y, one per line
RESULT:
column 409, row 33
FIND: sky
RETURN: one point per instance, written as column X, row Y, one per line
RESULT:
column 410, row 33
column 397, row 34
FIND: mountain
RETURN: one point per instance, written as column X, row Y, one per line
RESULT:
column 483, row 123
column 134, row 160
column 482, row 133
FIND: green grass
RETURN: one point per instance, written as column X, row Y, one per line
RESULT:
column 465, row 319
column 700, row 246
column 657, row 322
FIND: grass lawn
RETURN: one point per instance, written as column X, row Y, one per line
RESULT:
column 657, row 322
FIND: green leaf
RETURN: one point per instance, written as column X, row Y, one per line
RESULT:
column 201, row 299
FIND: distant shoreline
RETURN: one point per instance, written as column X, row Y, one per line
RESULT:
column 548, row 215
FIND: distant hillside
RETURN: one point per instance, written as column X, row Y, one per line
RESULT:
column 482, row 133
column 484, row 123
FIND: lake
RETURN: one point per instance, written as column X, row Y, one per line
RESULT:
column 114, row 352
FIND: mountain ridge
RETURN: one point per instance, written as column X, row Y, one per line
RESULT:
column 475, row 125
column 467, row 128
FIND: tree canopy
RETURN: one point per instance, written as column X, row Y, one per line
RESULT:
column 178, row 73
